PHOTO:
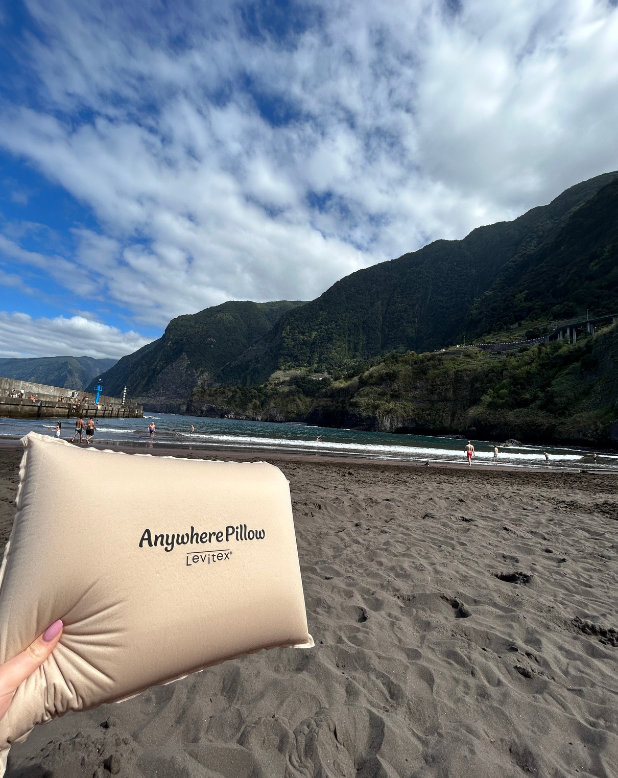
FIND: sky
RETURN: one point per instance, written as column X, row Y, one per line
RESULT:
column 160, row 157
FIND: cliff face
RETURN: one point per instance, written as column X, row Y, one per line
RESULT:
column 551, row 392
column 168, row 388
column 553, row 260
column 575, row 271
column 192, row 350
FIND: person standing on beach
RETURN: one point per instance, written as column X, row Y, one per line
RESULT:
column 90, row 428
column 58, row 428
column 546, row 455
column 495, row 455
column 469, row 452
column 151, row 429
column 192, row 428
column 79, row 429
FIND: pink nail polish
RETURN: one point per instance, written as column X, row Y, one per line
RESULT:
column 51, row 631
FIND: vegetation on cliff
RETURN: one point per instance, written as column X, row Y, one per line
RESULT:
column 192, row 348
column 550, row 392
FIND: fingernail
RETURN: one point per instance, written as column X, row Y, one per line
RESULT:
column 51, row 631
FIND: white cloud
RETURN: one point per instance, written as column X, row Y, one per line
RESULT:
column 408, row 123
column 24, row 336
column 14, row 281
column 59, row 268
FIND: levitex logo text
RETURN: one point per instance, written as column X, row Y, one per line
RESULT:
column 238, row 533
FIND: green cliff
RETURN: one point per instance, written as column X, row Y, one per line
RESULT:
column 575, row 271
column 192, row 349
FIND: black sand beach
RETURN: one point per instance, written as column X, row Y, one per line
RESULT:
column 465, row 626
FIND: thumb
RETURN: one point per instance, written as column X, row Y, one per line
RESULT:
column 17, row 669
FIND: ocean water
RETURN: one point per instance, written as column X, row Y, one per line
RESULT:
column 174, row 430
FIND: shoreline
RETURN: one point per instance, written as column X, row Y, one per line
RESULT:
column 253, row 454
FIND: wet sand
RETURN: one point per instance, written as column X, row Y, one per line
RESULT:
column 465, row 625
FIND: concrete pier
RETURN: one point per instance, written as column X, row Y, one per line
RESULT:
column 57, row 402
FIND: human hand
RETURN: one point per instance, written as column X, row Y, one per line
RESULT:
column 17, row 669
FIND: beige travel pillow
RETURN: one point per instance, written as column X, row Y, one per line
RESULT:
column 158, row 567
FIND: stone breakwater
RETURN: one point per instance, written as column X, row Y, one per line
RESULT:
column 23, row 399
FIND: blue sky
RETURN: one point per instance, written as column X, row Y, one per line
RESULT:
column 157, row 158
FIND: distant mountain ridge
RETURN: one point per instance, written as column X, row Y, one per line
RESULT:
column 65, row 372
column 192, row 350
column 434, row 296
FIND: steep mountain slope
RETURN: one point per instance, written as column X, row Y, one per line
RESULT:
column 66, row 372
column 193, row 348
column 423, row 300
column 577, row 270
